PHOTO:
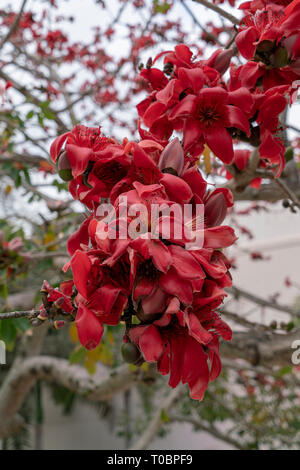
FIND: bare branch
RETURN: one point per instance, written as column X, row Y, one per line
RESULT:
column 288, row 192
column 195, row 20
column 28, row 95
column 261, row 348
column 218, row 10
column 238, row 292
column 31, row 160
column 14, row 25
column 19, row 314
column 211, row 429
column 102, row 386
column 156, row 422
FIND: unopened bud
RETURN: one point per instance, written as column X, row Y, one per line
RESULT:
column 220, row 60
column 42, row 315
column 58, row 324
column 59, row 302
column 64, row 167
column 130, row 353
column 172, row 157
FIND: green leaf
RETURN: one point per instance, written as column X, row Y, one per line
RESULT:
column 285, row 370
column 77, row 355
column 8, row 331
column 26, row 174
column 30, row 115
column 22, row 324
column 48, row 114
column 3, row 291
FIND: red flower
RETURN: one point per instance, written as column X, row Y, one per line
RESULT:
column 206, row 118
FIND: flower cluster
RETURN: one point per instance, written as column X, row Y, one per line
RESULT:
column 165, row 293
column 270, row 40
column 191, row 96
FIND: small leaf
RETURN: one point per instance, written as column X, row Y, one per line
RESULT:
column 8, row 331
column 285, row 370
column 77, row 355
column 164, row 417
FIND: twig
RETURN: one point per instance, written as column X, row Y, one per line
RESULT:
column 238, row 292
column 156, row 422
column 218, row 10
column 286, row 190
column 22, row 314
column 242, row 321
column 210, row 430
column 14, row 25
column 210, row 35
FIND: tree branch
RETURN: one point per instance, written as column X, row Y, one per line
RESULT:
column 238, row 292
column 218, row 10
column 102, row 386
column 211, row 429
column 14, row 25
column 19, row 314
column 156, row 422
column 261, row 348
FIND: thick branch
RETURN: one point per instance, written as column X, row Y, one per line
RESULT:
column 99, row 387
column 261, row 348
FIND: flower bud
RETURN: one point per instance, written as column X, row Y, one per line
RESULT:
column 42, row 315
column 64, row 167
column 130, row 353
column 215, row 210
column 172, row 157
column 58, row 324
column 220, row 60
column 59, row 302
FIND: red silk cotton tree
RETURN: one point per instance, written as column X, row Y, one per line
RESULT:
column 166, row 293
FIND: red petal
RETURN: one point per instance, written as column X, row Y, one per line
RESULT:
column 57, row 145
column 79, row 158
column 238, row 119
column 151, row 344
column 185, row 264
column 154, row 111
column 80, row 236
column 184, row 108
column 220, row 142
column 90, row 329
column 177, row 189
column 245, row 42
column 219, row 237
column 196, row 330
column 81, row 266
column 191, row 78
column 172, row 284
